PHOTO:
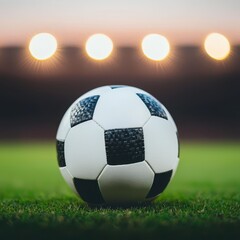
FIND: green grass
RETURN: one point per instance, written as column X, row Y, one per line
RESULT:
column 202, row 201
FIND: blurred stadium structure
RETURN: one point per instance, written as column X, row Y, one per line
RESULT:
column 203, row 95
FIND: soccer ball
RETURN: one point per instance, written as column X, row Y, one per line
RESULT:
column 117, row 145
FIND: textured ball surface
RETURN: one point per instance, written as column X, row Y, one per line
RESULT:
column 117, row 145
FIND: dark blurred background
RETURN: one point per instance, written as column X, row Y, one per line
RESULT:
column 203, row 95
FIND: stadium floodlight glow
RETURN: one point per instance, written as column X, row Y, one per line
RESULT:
column 155, row 47
column 43, row 46
column 217, row 46
column 99, row 46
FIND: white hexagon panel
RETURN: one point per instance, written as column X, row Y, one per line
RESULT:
column 64, row 126
column 85, row 154
column 126, row 183
column 161, row 144
column 120, row 108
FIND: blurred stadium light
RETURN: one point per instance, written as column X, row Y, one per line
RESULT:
column 217, row 46
column 99, row 46
column 43, row 46
column 155, row 47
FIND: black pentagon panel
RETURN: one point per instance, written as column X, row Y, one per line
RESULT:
column 153, row 106
column 124, row 146
column 117, row 86
column 60, row 154
column 88, row 190
column 83, row 110
column 160, row 182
